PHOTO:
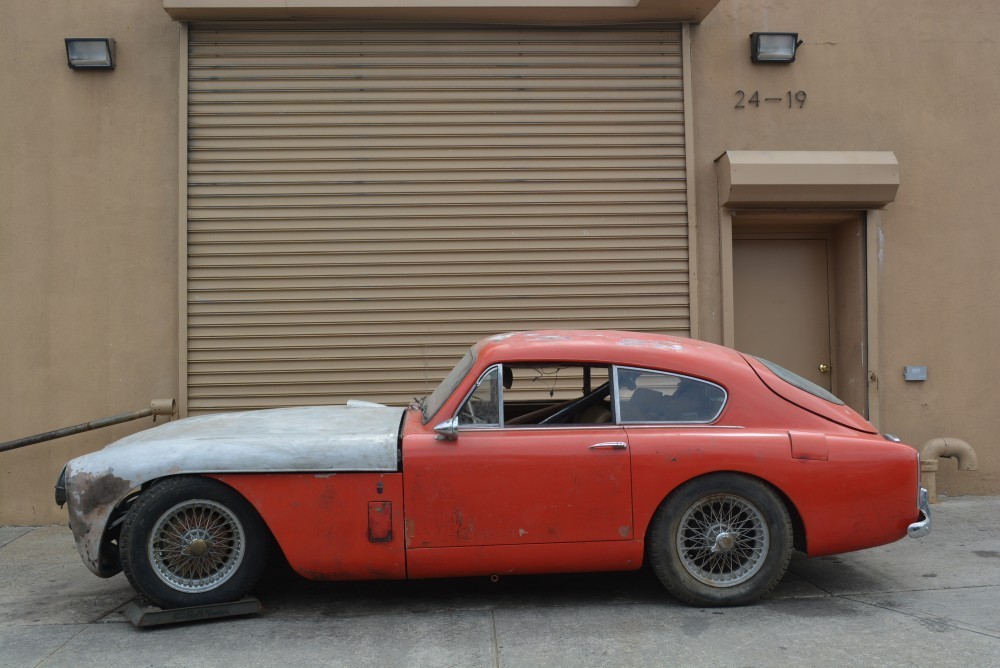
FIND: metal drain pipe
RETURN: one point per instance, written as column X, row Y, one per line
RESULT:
column 156, row 407
column 949, row 448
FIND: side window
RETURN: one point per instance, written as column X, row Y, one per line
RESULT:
column 655, row 396
column 483, row 405
column 556, row 394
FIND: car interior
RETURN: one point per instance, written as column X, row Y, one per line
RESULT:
column 573, row 394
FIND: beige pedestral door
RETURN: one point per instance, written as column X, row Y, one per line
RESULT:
column 781, row 291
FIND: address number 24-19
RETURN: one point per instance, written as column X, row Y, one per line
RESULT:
column 794, row 99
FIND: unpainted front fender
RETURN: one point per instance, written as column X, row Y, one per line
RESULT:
column 356, row 437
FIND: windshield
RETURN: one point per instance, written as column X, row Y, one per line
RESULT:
column 799, row 382
column 434, row 402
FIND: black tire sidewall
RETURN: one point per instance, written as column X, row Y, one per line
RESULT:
column 667, row 564
column 148, row 509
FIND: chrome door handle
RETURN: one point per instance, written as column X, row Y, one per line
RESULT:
column 609, row 445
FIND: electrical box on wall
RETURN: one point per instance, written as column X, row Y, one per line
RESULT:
column 914, row 373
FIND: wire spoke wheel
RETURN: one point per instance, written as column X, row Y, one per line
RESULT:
column 196, row 546
column 191, row 540
column 722, row 540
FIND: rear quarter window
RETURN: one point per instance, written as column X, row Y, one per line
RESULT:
column 646, row 396
column 798, row 381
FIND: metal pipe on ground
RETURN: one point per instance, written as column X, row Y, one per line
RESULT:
column 156, row 407
column 948, row 448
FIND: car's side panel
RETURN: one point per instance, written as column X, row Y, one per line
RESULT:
column 621, row 555
column 864, row 495
column 517, row 487
column 325, row 523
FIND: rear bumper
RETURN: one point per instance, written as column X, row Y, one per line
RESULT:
column 922, row 527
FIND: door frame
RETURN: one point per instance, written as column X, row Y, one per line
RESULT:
column 871, row 222
column 820, row 182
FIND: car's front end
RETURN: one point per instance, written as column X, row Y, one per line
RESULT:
column 97, row 487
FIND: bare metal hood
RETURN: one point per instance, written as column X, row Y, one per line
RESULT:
column 357, row 437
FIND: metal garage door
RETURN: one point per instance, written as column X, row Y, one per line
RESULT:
column 364, row 204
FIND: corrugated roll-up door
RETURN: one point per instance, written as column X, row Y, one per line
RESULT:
column 366, row 203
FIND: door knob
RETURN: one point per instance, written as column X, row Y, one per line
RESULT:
column 824, row 368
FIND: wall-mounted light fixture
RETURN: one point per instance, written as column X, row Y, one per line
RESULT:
column 774, row 47
column 90, row 53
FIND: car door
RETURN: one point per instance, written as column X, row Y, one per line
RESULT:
column 516, row 484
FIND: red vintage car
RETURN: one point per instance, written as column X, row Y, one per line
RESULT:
column 541, row 452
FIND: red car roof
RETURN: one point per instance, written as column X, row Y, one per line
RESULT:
column 657, row 351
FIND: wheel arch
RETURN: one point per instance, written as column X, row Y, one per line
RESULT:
column 799, row 536
column 109, row 552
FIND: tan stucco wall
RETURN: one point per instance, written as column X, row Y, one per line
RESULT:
column 915, row 78
column 88, row 219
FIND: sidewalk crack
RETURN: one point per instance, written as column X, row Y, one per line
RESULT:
column 929, row 619
column 61, row 646
column 496, row 643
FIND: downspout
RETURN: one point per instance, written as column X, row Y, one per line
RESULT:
column 949, row 448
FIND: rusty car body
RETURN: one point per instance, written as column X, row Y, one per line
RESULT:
column 552, row 451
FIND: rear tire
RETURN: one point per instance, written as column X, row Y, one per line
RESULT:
column 193, row 541
column 724, row 539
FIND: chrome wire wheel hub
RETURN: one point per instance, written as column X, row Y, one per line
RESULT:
column 722, row 540
column 196, row 546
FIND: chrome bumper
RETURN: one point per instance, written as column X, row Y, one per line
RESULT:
column 923, row 526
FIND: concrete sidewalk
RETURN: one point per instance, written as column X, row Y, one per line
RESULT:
column 933, row 601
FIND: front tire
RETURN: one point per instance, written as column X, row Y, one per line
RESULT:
column 723, row 539
column 192, row 541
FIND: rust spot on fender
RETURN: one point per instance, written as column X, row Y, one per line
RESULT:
column 463, row 530
column 91, row 498
column 408, row 530
column 96, row 492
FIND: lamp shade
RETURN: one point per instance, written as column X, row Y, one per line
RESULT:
column 90, row 53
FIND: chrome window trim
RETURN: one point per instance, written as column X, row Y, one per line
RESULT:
column 564, row 427
column 500, row 389
column 679, row 425
column 616, row 409
column 613, row 425
column 725, row 398
column 475, row 386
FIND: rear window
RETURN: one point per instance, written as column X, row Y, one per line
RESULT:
column 800, row 382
